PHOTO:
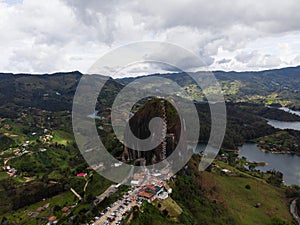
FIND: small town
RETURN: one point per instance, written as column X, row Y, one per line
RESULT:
column 144, row 187
column 116, row 212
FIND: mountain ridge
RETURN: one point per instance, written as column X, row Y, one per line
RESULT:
column 213, row 71
column 56, row 91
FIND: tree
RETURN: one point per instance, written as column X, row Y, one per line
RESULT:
column 56, row 208
column 165, row 213
column 251, row 167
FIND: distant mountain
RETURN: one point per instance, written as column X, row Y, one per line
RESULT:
column 55, row 92
column 278, row 86
column 51, row 92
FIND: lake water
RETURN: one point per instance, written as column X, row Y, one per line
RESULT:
column 288, row 164
column 284, row 125
column 290, row 111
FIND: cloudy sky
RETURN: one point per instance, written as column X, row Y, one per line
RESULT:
column 66, row 35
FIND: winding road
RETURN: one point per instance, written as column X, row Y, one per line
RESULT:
column 293, row 210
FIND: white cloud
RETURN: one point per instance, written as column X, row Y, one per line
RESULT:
column 224, row 61
column 296, row 60
column 65, row 35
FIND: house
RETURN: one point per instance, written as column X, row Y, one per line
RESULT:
column 225, row 171
column 162, row 195
column 149, row 192
column 146, row 196
column 81, row 175
column 65, row 209
column 40, row 209
column 46, row 205
column 52, row 220
column 150, row 188
column 134, row 182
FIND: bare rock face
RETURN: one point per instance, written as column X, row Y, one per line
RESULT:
column 139, row 125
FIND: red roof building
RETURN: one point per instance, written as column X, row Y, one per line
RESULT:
column 81, row 175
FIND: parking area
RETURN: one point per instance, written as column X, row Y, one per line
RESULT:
column 115, row 213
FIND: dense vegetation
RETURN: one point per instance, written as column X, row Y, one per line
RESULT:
column 5, row 142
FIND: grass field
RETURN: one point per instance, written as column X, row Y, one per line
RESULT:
column 21, row 216
column 3, row 175
column 231, row 192
column 98, row 185
column 171, row 206
column 61, row 137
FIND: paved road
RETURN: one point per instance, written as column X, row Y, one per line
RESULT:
column 130, row 175
column 293, row 210
column 110, row 190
